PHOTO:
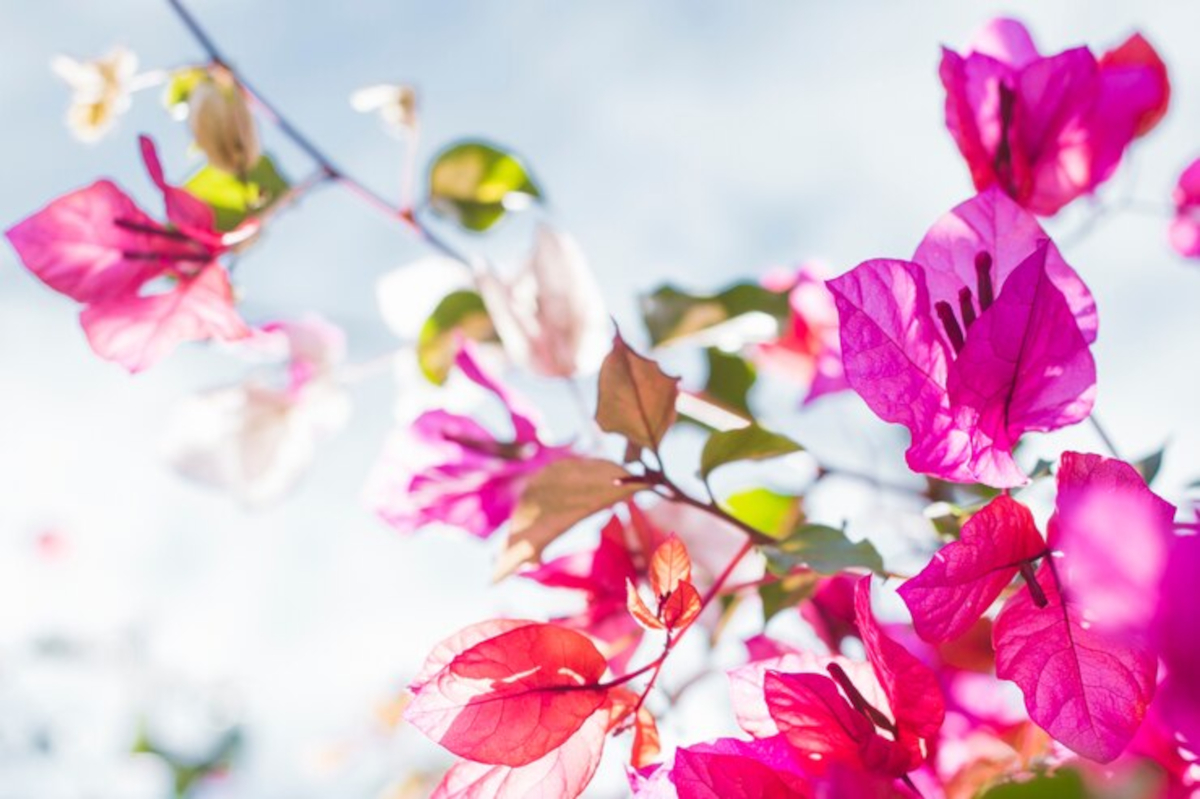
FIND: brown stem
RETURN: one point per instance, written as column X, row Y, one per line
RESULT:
column 1035, row 590
column 674, row 493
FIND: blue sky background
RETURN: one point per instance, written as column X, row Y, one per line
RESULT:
column 690, row 140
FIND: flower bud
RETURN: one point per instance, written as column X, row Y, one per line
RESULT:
column 222, row 123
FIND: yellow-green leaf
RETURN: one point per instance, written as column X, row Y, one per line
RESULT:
column 459, row 313
column 232, row 199
column 475, row 184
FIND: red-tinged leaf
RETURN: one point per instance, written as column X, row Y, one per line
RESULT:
column 1133, row 55
column 681, row 608
column 448, row 649
column 1088, row 689
column 562, row 494
column 638, row 609
column 563, row 772
column 731, row 769
column 669, row 565
column 746, row 687
column 816, row 719
column 966, row 576
column 512, row 698
column 1114, row 534
column 911, row 687
column 636, row 399
column 647, row 745
column 621, row 702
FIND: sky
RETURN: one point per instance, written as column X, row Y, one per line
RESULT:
column 685, row 140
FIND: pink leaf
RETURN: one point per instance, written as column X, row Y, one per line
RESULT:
column 893, row 355
column 75, row 246
column 1185, row 227
column 816, row 719
column 993, row 223
column 514, row 697
column 966, row 576
column 1048, row 129
column 137, row 331
column 187, row 212
column 1087, row 689
column 1026, row 364
column 1134, row 69
column 731, row 769
column 600, row 575
column 1179, row 694
column 1114, row 534
column 911, row 686
column 561, row 772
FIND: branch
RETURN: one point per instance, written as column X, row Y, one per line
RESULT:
column 301, row 140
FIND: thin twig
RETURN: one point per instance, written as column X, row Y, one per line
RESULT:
column 301, row 140
column 674, row 493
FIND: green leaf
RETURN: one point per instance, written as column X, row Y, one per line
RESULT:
column 1063, row 784
column 751, row 443
column 233, row 199
column 948, row 519
column 475, row 184
column 1041, row 469
column 1149, row 466
column 768, row 512
column 671, row 313
column 822, row 549
column 730, row 378
column 635, row 399
column 459, row 313
column 181, row 84
column 787, row 592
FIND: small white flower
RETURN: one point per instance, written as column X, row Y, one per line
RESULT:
column 100, row 90
column 396, row 104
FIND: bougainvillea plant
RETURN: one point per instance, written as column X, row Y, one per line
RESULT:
column 1052, row 659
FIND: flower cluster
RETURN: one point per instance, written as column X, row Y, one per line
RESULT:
column 980, row 339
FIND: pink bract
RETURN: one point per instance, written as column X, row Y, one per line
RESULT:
column 1086, row 688
column 1114, row 535
column 966, row 576
column 1048, row 129
column 982, row 337
column 808, row 350
column 1185, row 227
column 600, row 575
column 448, row 468
column 97, row 247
